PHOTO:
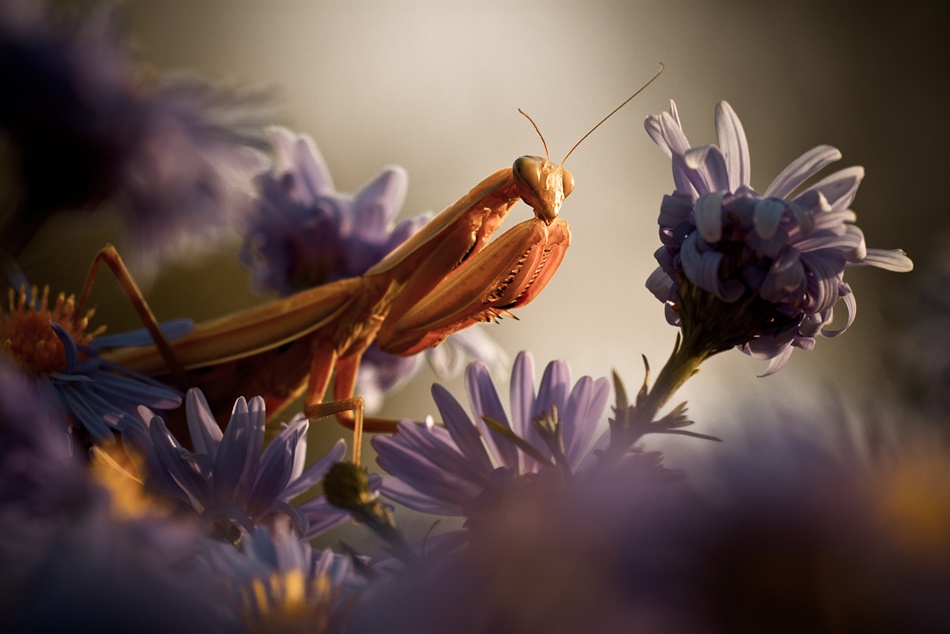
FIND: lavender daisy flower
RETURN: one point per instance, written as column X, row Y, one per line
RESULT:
column 52, row 345
column 304, row 233
column 227, row 480
column 278, row 582
column 87, row 123
column 445, row 470
column 773, row 263
column 72, row 559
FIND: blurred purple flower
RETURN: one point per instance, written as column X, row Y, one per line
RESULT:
column 68, row 560
column 304, row 233
column 445, row 470
column 279, row 583
column 51, row 344
column 188, row 184
column 778, row 259
column 227, row 480
column 87, row 123
column 783, row 534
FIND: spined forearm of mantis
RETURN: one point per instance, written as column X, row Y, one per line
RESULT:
column 444, row 278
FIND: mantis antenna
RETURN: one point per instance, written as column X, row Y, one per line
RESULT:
column 612, row 112
column 547, row 157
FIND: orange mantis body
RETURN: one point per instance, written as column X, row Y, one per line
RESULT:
column 442, row 279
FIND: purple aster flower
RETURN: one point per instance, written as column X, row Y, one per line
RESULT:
column 278, row 582
column 87, row 122
column 304, row 233
column 52, row 345
column 227, row 479
column 69, row 560
column 776, row 259
column 445, row 470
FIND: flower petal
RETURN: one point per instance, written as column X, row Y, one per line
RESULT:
column 735, row 147
column 800, row 170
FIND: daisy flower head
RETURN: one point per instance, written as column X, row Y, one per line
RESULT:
column 303, row 233
column 52, row 343
column 766, row 268
column 228, row 480
column 278, row 582
column 445, row 470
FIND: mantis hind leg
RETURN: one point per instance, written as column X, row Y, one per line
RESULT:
column 110, row 257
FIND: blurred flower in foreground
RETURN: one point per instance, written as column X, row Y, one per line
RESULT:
column 70, row 559
column 85, row 123
column 278, row 583
column 52, row 345
column 447, row 470
column 762, row 272
column 303, row 233
column 783, row 534
column 227, row 480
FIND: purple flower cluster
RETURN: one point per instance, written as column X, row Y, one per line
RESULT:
column 446, row 470
column 783, row 252
column 227, row 480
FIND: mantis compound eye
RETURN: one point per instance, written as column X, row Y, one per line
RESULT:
column 527, row 170
column 568, row 180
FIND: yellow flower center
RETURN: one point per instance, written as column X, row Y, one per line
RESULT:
column 287, row 603
column 27, row 337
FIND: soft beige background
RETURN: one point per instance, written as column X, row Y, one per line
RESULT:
column 434, row 87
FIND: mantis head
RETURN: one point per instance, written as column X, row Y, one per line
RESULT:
column 542, row 185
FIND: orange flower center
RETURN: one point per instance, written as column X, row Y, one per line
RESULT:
column 27, row 337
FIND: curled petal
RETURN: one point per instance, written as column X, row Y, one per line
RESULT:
column 660, row 284
column 838, row 189
column 709, row 216
column 767, row 216
column 800, row 170
column 852, row 306
column 702, row 266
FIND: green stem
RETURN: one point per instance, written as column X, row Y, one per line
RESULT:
column 683, row 363
column 688, row 354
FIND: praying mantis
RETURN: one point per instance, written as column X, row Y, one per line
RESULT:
column 444, row 278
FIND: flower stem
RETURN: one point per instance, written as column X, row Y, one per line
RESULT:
column 636, row 420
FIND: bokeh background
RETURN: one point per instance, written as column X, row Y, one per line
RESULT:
column 434, row 87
